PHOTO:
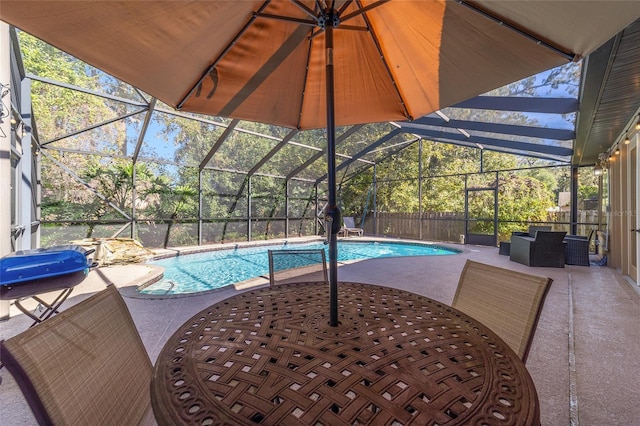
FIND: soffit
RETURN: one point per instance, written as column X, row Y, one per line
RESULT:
column 610, row 95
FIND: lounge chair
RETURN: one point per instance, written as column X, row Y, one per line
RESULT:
column 85, row 366
column 506, row 301
column 349, row 227
column 546, row 249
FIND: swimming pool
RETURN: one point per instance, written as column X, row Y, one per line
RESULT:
column 214, row 269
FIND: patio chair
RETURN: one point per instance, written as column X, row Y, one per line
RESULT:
column 577, row 249
column 505, row 246
column 85, row 366
column 506, row 301
column 350, row 227
column 546, row 249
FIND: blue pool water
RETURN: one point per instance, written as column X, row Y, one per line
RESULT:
column 206, row 271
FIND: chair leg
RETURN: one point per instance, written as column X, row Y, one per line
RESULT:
column 50, row 308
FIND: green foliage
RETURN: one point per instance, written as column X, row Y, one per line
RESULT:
column 521, row 199
column 546, row 177
column 587, row 185
column 62, row 111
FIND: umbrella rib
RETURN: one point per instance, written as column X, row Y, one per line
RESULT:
column 352, row 27
column 306, row 9
column 316, row 33
column 570, row 56
column 344, row 7
column 287, row 19
column 304, row 88
column 362, row 10
column 384, row 60
column 319, row 31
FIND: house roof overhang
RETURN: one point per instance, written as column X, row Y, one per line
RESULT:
column 610, row 95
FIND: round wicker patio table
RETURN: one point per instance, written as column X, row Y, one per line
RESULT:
column 269, row 356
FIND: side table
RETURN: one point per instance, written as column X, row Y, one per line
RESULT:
column 505, row 248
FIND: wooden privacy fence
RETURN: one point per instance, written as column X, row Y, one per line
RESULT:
column 584, row 216
column 449, row 226
column 436, row 226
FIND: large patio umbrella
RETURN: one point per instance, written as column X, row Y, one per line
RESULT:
column 310, row 64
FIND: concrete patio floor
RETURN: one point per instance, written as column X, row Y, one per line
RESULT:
column 584, row 358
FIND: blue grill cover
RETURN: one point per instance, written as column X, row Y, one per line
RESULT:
column 28, row 265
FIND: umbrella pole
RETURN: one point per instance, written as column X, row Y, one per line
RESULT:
column 333, row 209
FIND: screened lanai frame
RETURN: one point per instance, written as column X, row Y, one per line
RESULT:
column 457, row 225
column 359, row 149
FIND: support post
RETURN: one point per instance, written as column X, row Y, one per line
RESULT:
column 573, row 226
column 25, row 183
column 466, row 210
column 420, row 189
column 248, row 208
column 5, row 153
column 600, row 188
column 375, row 201
column 286, row 208
column 315, row 226
column 495, row 210
column 134, row 196
column 200, row 207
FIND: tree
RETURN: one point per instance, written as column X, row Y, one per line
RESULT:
column 521, row 199
column 181, row 196
column 114, row 181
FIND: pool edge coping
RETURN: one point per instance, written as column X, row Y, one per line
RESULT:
column 132, row 290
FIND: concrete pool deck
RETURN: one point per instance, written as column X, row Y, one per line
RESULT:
column 584, row 357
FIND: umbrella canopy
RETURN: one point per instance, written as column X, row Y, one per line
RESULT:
column 309, row 64
column 265, row 60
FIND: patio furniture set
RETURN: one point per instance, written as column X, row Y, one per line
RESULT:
column 542, row 247
column 269, row 356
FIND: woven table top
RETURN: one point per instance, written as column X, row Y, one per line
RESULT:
column 269, row 357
